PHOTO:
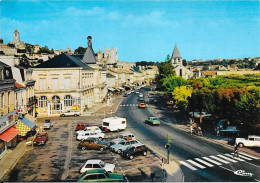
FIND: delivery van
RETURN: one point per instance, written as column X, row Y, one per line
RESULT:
column 113, row 124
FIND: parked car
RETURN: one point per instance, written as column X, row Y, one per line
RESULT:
column 100, row 175
column 197, row 114
column 83, row 125
column 134, row 151
column 141, row 95
column 137, row 92
column 70, row 113
column 93, row 144
column 123, row 145
column 153, row 121
column 87, row 135
column 96, row 164
column 41, row 138
column 230, row 130
column 222, row 124
column 89, row 129
column 250, row 141
column 125, row 95
column 47, row 124
column 123, row 136
column 142, row 105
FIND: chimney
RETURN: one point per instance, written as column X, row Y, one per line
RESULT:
column 89, row 41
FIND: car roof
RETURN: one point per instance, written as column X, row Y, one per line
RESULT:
column 83, row 123
column 99, row 170
column 93, row 161
column 126, row 133
column 253, row 136
column 41, row 133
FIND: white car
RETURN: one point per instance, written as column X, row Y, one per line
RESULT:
column 47, row 124
column 87, row 135
column 123, row 136
column 95, row 164
column 120, row 147
column 141, row 95
column 70, row 113
column 197, row 114
column 251, row 141
column 89, row 129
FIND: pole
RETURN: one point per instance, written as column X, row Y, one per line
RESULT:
column 111, row 113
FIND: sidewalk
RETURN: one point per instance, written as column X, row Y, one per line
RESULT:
column 9, row 160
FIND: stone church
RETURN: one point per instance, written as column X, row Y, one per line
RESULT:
column 180, row 70
column 16, row 41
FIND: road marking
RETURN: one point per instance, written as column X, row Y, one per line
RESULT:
column 130, row 104
column 187, row 165
column 257, row 180
column 196, row 164
column 234, row 161
column 239, row 159
column 204, row 162
column 249, row 155
column 212, row 161
column 252, row 164
column 120, row 105
column 243, row 156
column 221, row 160
column 147, row 105
column 227, row 169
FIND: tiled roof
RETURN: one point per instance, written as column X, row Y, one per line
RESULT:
column 176, row 53
column 62, row 61
column 121, row 71
column 17, row 85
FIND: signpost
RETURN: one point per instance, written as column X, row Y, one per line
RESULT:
column 167, row 146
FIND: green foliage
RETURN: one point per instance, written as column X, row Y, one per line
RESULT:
column 80, row 50
column 146, row 63
column 29, row 48
column 172, row 81
column 45, row 49
column 180, row 95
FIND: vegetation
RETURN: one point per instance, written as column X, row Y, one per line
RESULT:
column 80, row 50
column 146, row 63
column 45, row 49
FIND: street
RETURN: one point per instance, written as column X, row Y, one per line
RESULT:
column 199, row 159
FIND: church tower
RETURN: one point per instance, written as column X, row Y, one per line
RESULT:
column 16, row 39
column 89, row 56
column 176, row 57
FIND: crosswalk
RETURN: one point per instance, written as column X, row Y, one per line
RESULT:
column 214, row 160
column 129, row 105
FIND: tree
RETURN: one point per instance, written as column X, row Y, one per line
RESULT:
column 29, row 48
column 180, row 95
column 172, row 81
column 24, row 61
column 80, row 50
column 45, row 49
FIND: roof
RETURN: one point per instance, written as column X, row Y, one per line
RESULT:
column 209, row 73
column 93, row 161
column 176, row 53
column 121, row 71
column 27, row 122
column 62, row 61
column 89, row 56
column 110, row 76
column 17, row 85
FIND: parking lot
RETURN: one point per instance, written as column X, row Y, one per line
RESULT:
column 60, row 160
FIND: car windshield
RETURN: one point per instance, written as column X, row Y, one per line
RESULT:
column 47, row 121
column 122, row 142
column 102, row 164
column 40, row 136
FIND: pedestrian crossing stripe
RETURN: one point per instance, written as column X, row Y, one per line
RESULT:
column 215, row 160
column 126, row 105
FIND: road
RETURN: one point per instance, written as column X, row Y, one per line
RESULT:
column 199, row 159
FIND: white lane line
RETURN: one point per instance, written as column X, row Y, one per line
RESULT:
column 147, row 105
column 212, row 161
column 221, row 160
column 241, row 156
column 120, row 105
column 130, row 104
column 234, row 161
column 196, row 164
column 239, row 159
column 249, row 155
column 204, row 162
column 123, row 105
column 252, row 164
column 226, row 169
column 187, row 165
column 257, row 180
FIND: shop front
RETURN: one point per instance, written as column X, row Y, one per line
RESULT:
column 8, row 139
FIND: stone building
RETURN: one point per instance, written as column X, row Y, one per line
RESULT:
column 180, row 70
column 8, row 132
column 16, row 41
column 109, row 56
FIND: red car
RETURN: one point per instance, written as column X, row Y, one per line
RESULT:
column 83, row 125
column 41, row 138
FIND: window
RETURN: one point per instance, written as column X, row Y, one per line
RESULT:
column 68, row 100
column 67, row 83
column 91, row 177
column 96, row 166
column 55, row 83
column 101, row 176
column 123, row 122
column 42, row 84
column 42, row 101
column 89, row 166
column 252, row 139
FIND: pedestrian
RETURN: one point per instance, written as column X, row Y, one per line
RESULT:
column 235, row 151
column 218, row 132
column 200, row 131
column 191, row 129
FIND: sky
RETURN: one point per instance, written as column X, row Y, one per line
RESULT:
column 140, row 30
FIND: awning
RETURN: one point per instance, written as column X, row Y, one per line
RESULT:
column 111, row 89
column 23, row 128
column 28, row 123
column 9, row 134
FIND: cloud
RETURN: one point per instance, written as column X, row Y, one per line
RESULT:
column 72, row 11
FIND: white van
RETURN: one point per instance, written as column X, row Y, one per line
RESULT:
column 89, row 129
column 114, row 124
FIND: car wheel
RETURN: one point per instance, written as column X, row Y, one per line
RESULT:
column 63, row 115
column 131, row 157
column 144, row 153
column 240, row 145
column 119, row 151
column 83, row 148
column 100, row 138
column 101, row 149
column 75, row 114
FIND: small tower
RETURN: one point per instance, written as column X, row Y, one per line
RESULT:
column 176, row 57
column 89, row 41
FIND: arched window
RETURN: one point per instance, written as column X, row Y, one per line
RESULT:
column 68, row 100
column 42, row 101
column 55, row 99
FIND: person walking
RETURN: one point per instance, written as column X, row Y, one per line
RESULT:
column 218, row 132
column 191, row 129
column 235, row 153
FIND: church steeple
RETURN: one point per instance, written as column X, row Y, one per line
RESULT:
column 176, row 56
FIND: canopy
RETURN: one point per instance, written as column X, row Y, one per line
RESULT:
column 24, row 125
column 9, row 134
